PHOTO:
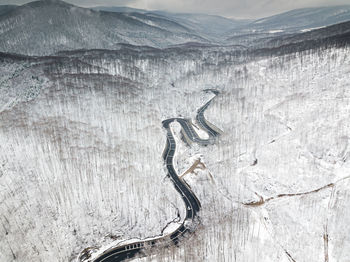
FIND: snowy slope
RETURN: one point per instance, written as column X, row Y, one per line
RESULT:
column 81, row 144
column 45, row 27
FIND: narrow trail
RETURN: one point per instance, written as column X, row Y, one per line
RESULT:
column 192, row 203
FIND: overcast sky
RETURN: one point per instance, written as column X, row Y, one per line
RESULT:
column 228, row 8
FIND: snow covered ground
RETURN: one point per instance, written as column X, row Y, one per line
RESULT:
column 81, row 142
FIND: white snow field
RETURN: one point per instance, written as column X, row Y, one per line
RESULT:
column 81, row 145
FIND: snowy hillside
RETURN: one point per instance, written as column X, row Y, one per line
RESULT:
column 81, row 145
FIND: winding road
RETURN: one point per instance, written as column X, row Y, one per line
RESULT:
column 192, row 204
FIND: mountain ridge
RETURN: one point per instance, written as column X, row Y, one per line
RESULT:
column 49, row 26
column 45, row 27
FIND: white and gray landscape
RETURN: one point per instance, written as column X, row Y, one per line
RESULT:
column 135, row 135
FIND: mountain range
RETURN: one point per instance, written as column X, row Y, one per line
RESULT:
column 49, row 26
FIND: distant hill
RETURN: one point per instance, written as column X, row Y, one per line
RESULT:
column 49, row 26
column 210, row 25
column 295, row 21
column 213, row 26
column 304, row 19
column 45, row 27
column 119, row 9
column 6, row 8
column 336, row 34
